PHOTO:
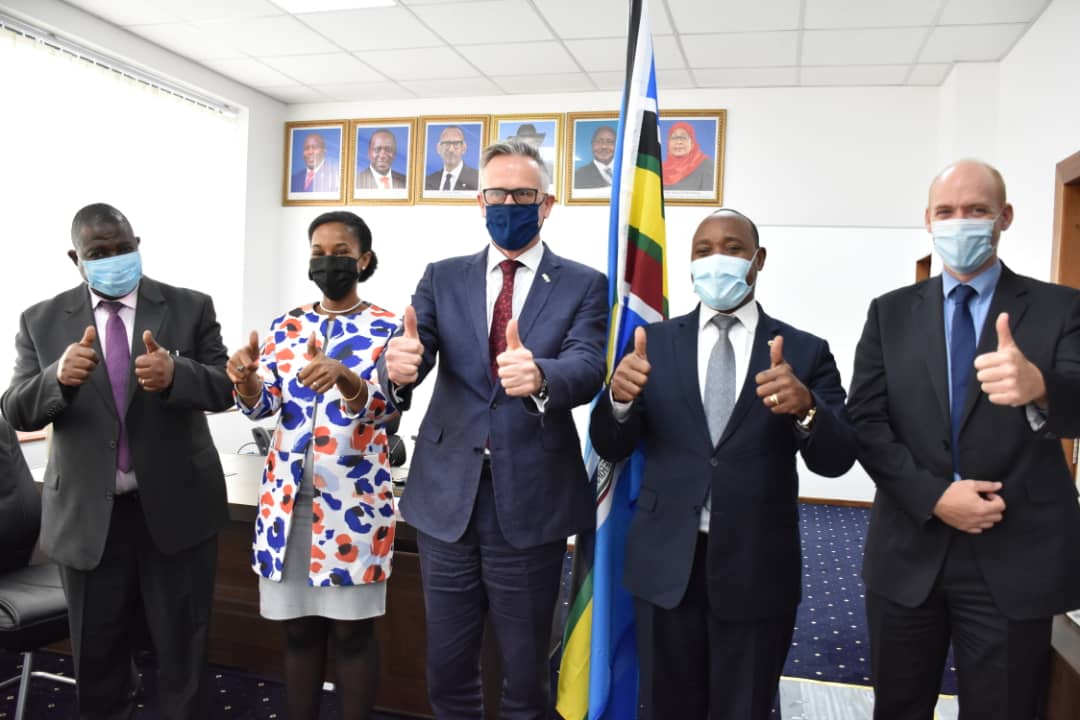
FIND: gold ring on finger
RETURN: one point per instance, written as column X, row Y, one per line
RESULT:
column 774, row 399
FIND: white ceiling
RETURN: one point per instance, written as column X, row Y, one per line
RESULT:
column 455, row 48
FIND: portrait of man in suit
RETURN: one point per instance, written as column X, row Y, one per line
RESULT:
column 596, row 172
column 497, row 482
column 316, row 170
column 454, row 175
column 723, row 399
column 379, row 173
column 963, row 386
column 125, row 369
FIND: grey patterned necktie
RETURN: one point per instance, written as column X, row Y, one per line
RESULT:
column 720, row 379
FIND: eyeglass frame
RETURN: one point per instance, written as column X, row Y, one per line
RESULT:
column 538, row 195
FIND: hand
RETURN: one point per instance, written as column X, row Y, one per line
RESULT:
column 1007, row 376
column 517, row 372
column 971, row 505
column 78, row 360
column 154, row 369
column 321, row 373
column 243, row 366
column 405, row 352
column 778, row 387
column 632, row 372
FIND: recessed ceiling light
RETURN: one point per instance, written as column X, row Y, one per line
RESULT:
column 307, row 6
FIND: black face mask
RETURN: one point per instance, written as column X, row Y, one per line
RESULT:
column 336, row 275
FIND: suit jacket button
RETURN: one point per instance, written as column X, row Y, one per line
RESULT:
column 108, row 496
column 714, row 462
column 494, row 404
column 112, row 444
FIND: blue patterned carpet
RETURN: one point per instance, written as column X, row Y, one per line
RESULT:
column 830, row 640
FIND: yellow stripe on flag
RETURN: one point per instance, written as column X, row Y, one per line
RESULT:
column 573, row 703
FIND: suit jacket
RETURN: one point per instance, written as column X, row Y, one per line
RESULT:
column 327, row 178
column 181, row 485
column 754, row 562
column 900, row 405
column 20, row 504
column 700, row 178
column 589, row 176
column 542, row 492
column 468, row 179
column 365, row 180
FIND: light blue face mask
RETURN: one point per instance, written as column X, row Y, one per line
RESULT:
column 720, row 280
column 964, row 244
column 115, row 276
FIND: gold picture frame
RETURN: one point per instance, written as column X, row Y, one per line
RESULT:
column 378, row 142
column 590, row 136
column 545, row 132
column 442, row 139
column 699, row 139
column 314, row 171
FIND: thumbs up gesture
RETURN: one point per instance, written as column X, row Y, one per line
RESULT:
column 405, row 352
column 632, row 372
column 519, row 375
column 79, row 360
column 154, row 368
column 778, row 388
column 242, row 368
column 322, row 372
column 1006, row 375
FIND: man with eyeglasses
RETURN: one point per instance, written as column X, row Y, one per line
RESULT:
column 497, row 481
column 455, row 175
column 379, row 175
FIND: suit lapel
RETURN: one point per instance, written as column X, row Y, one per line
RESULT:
column 544, row 282
column 767, row 329
column 149, row 315
column 684, row 348
column 78, row 316
column 929, row 326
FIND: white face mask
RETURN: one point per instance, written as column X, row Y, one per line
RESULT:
column 964, row 244
column 720, row 280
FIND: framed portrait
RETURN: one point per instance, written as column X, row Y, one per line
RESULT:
column 590, row 156
column 448, row 162
column 543, row 132
column 382, row 153
column 692, row 156
column 315, row 152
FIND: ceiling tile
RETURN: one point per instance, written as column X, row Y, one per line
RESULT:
column 609, row 80
column 130, row 12
column 855, row 75
column 481, row 22
column 372, row 29
column 595, row 18
column 766, row 49
column 273, row 36
column 971, row 43
column 543, row 84
column 930, row 74
column 747, row 77
column 295, row 94
column 719, row 16
column 861, row 14
column 979, row 12
column 249, row 72
column 599, row 55
column 186, row 40
column 523, row 58
column 668, row 54
column 675, row 78
column 324, row 69
column 862, row 47
column 364, row 92
column 420, row 64
column 213, row 10
column 454, row 87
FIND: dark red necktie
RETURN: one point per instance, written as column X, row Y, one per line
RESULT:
column 504, row 310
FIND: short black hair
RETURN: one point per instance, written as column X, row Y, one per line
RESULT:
column 356, row 227
column 95, row 214
column 733, row 211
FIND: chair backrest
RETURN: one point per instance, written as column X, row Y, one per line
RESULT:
column 20, row 503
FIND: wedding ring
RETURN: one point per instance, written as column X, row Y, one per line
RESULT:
column 774, row 399
column 239, row 368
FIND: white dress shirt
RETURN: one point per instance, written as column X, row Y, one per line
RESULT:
column 453, row 173
column 606, row 171
column 125, row 481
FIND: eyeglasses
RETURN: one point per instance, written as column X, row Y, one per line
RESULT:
column 451, row 143
column 522, row 196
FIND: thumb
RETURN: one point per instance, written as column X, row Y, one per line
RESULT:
column 410, row 323
column 253, row 344
column 1005, row 338
column 88, row 336
column 985, row 486
column 312, row 346
column 150, row 342
column 776, row 351
column 513, row 342
column 639, row 342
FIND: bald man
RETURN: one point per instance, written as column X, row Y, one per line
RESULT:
column 963, row 384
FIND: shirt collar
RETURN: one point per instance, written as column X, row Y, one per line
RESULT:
column 378, row 174
column 530, row 258
column 454, row 170
column 747, row 315
column 127, row 301
column 983, row 283
column 604, row 166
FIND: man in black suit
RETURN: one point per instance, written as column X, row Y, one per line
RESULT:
column 597, row 173
column 125, row 368
column 378, row 175
column 963, row 384
column 455, row 174
column 724, row 399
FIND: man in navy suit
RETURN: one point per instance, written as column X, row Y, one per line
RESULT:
column 723, row 399
column 497, row 481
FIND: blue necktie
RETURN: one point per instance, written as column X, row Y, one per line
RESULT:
column 961, row 361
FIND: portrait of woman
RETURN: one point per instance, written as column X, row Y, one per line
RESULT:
column 686, row 166
column 325, row 529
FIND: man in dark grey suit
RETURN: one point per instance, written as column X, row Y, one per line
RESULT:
column 20, row 505
column 455, row 174
column 379, row 175
column 597, row 174
column 134, row 493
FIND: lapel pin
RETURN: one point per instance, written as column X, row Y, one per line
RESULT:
column 545, row 276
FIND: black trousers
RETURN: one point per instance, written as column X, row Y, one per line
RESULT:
column 479, row 575
column 1001, row 664
column 107, row 604
column 695, row 666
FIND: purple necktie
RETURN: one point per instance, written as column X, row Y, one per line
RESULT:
column 117, row 362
